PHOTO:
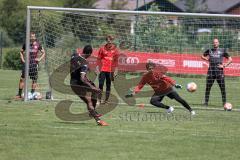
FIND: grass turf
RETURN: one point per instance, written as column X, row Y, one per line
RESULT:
column 32, row 131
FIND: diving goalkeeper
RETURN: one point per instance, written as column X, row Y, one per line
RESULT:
column 162, row 86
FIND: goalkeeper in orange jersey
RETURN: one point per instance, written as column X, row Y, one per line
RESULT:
column 162, row 86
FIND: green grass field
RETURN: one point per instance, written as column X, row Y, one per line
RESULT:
column 31, row 131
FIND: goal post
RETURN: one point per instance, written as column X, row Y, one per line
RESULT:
column 175, row 40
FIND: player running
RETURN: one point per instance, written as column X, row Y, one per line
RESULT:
column 82, row 86
column 35, row 47
column 215, row 71
column 162, row 86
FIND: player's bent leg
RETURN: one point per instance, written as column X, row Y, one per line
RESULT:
column 156, row 101
column 92, row 112
column 85, row 93
column 174, row 95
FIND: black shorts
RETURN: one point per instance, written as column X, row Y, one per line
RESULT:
column 33, row 71
column 215, row 72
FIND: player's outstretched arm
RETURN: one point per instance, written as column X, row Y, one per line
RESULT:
column 136, row 89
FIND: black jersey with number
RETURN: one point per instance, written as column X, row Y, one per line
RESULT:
column 78, row 66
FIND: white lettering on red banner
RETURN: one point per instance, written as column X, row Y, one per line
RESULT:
column 192, row 64
column 165, row 62
column 128, row 60
column 176, row 63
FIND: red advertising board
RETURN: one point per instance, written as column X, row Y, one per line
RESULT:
column 175, row 62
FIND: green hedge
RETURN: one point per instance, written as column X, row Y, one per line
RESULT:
column 12, row 60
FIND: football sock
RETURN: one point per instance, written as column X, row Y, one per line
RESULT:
column 20, row 92
column 107, row 95
column 93, row 113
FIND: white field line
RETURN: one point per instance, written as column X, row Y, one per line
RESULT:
column 147, row 105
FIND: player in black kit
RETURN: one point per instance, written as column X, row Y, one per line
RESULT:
column 36, row 54
column 216, row 69
column 81, row 85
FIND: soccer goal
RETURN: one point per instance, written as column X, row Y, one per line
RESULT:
column 175, row 40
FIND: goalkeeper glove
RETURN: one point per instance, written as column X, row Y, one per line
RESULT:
column 130, row 93
column 178, row 86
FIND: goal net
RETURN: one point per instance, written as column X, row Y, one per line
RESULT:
column 174, row 40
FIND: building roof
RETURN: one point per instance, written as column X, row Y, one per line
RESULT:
column 209, row 6
column 132, row 4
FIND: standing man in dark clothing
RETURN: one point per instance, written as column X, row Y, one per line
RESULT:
column 82, row 86
column 34, row 60
column 216, row 69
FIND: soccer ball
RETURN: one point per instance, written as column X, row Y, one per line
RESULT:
column 37, row 96
column 34, row 96
column 227, row 106
column 191, row 87
column 30, row 96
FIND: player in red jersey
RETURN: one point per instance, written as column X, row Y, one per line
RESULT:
column 107, row 60
column 162, row 86
column 35, row 47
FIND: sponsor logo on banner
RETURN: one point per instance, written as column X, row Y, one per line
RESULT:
column 194, row 64
column 176, row 63
column 165, row 62
column 92, row 60
column 128, row 60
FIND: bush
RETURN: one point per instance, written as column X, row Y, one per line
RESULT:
column 6, row 40
column 12, row 60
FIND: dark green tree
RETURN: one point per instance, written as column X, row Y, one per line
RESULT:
column 154, row 33
column 12, row 19
column 76, row 22
column 80, row 4
column 6, row 40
